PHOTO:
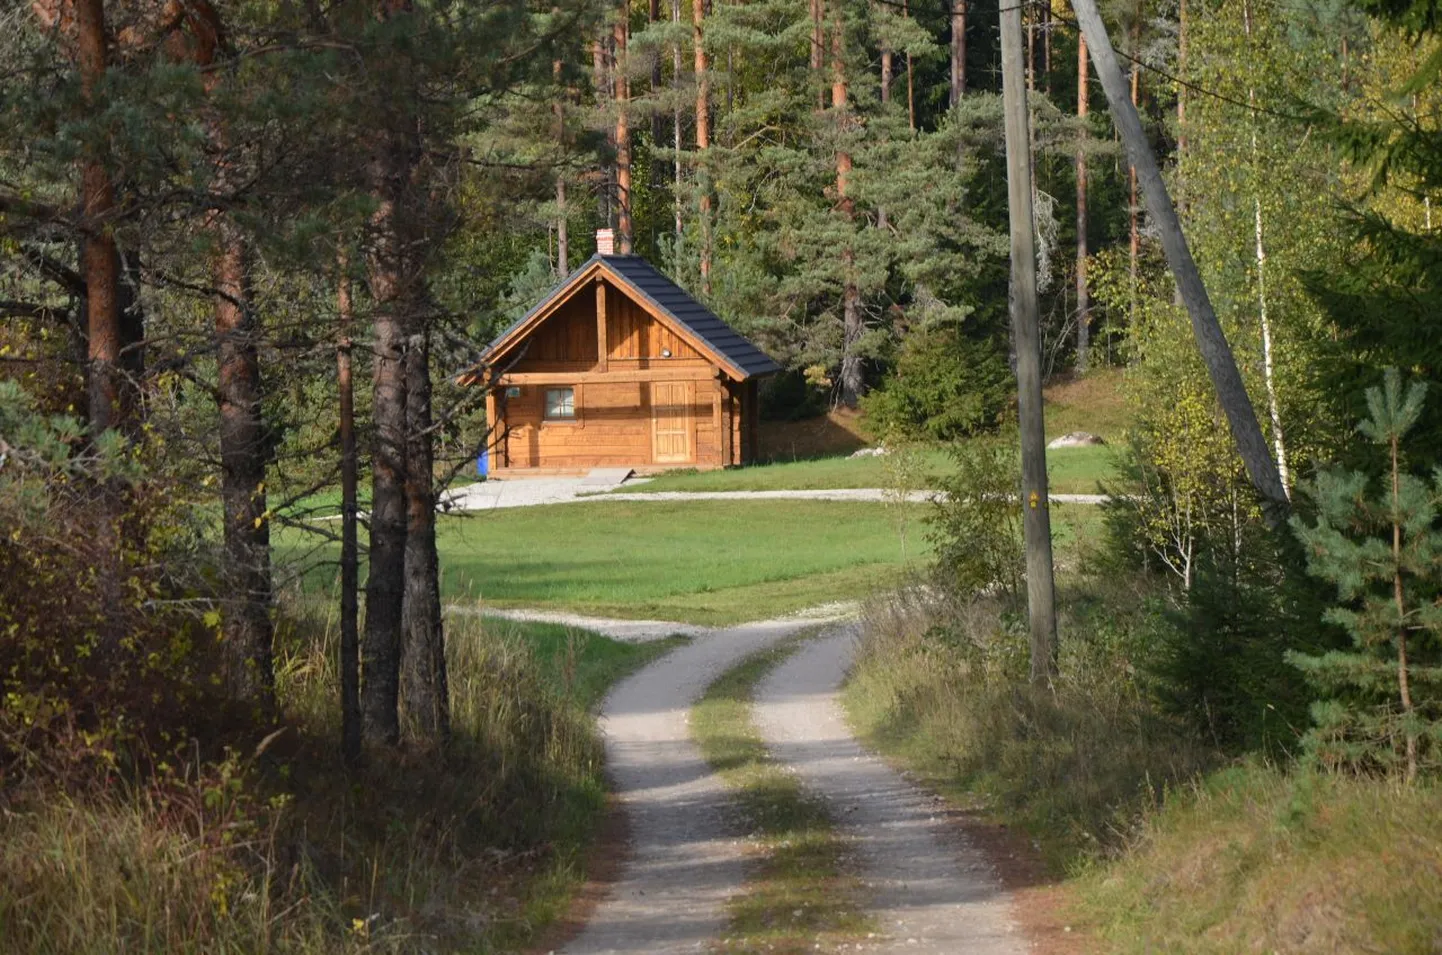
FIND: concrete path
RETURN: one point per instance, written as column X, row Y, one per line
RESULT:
column 530, row 492
column 929, row 891
column 645, row 631
column 687, row 856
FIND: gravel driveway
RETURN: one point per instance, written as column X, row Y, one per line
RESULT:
column 687, row 856
column 929, row 891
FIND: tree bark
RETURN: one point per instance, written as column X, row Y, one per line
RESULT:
column 658, row 123
column 350, row 707
column 818, row 49
column 910, row 77
column 424, row 687
column 703, row 137
column 1134, row 246
column 958, row 51
column 1083, row 291
column 1036, row 511
column 852, row 378
column 100, row 258
column 1211, row 341
column 563, row 236
column 676, row 122
column 622, row 85
column 1274, row 410
column 247, row 631
column 246, row 626
column 385, row 586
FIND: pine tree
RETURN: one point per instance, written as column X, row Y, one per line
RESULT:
column 1383, row 551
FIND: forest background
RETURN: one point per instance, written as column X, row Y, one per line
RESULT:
column 215, row 217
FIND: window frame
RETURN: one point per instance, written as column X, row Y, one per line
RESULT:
column 573, row 418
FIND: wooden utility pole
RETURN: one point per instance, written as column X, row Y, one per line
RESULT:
column 1083, row 291
column 1211, row 341
column 1025, row 323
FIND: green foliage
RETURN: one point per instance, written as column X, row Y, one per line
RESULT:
column 1257, row 858
column 1382, row 701
column 943, row 684
column 278, row 847
column 946, row 385
column 975, row 527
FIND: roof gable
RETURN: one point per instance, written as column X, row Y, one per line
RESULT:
column 663, row 298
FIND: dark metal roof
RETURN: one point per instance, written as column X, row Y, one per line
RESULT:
column 644, row 281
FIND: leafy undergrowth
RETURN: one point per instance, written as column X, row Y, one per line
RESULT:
column 279, row 848
column 1257, row 860
column 802, row 897
column 943, row 687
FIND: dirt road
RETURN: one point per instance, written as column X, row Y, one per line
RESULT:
column 686, row 855
column 928, row 890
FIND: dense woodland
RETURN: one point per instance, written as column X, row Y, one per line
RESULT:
column 247, row 250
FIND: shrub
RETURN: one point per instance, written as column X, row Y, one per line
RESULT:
column 289, row 851
column 946, row 385
column 975, row 527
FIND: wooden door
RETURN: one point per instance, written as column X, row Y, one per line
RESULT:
column 671, row 422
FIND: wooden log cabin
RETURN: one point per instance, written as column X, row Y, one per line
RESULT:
column 620, row 367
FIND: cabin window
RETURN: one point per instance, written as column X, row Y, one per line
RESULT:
column 560, row 404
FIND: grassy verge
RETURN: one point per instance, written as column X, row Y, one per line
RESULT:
column 1254, row 859
column 943, row 688
column 706, row 562
column 801, row 897
column 1165, row 852
column 285, row 850
column 1071, row 470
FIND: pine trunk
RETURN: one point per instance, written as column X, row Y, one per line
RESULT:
column 246, row 626
column 703, row 137
column 910, row 77
column 100, row 258
column 563, row 237
column 852, row 378
column 658, row 122
column 424, row 686
column 676, row 123
column 385, row 586
column 958, row 51
column 350, row 711
column 247, row 631
column 622, row 86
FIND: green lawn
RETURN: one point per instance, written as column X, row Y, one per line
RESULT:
column 582, row 663
column 1072, row 470
column 706, row 562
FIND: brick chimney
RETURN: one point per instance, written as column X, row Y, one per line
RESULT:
column 605, row 242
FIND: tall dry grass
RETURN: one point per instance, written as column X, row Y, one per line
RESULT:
column 287, row 851
column 943, row 682
column 1258, row 859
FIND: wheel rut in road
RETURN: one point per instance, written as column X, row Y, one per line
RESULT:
column 929, row 891
column 687, row 855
